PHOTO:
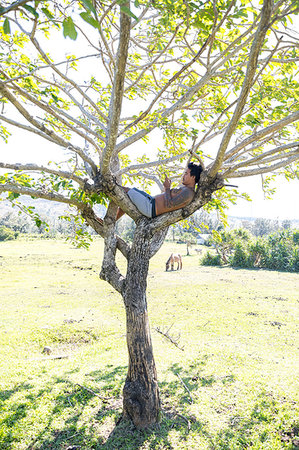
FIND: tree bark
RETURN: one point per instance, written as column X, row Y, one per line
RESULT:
column 141, row 402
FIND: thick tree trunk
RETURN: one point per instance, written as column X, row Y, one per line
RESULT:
column 141, row 402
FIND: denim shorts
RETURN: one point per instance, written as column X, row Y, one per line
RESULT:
column 144, row 202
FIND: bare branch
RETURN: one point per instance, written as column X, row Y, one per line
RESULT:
column 27, row 128
column 166, row 113
column 35, row 168
column 117, row 91
column 12, row 187
column 147, row 176
column 175, row 76
column 267, row 169
column 173, row 340
column 52, row 136
column 262, row 133
column 33, row 71
column 158, row 162
column 67, row 79
column 264, row 157
column 13, row 6
column 85, row 112
column 185, row 386
column 154, row 60
column 250, row 72
column 58, row 113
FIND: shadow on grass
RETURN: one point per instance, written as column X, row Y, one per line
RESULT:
column 88, row 416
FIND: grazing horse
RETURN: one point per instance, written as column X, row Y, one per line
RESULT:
column 174, row 258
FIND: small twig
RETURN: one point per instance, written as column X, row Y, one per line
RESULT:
column 104, row 399
column 72, row 436
column 165, row 334
column 48, row 358
column 186, row 420
column 186, row 387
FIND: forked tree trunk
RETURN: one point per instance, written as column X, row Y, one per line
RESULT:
column 141, row 402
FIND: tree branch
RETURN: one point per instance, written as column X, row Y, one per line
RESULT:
column 175, row 76
column 13, row 6
column 92, row 220
column 250, row 72
column 109, row 270
column 27, row 128
column 267, row 169
column 117, row 92
column 67, row 79
column 52, row 136
column 11, row 187
column 262, row 133
column 166, row 113
column 264, row 158
column 58, row 113
column 156, row 163
column 34, row 168
column 154, row 60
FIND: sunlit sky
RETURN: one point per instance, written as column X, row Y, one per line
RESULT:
column 24, row 147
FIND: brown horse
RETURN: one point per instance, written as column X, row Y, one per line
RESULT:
column 174, row 258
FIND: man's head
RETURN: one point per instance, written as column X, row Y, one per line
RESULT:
column 195, row 171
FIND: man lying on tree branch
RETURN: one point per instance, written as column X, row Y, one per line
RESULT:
column 170, row 200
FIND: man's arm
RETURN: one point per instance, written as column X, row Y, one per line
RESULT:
column 176, row 198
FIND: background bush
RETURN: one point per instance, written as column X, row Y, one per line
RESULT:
column 6, row 234
column 238, row 248
column 211, row 260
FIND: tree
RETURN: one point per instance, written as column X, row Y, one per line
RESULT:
column 261, row 227
column 216, row 80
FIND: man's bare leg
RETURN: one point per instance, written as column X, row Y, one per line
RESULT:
column 119, row 213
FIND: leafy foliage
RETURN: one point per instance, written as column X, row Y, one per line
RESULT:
column 277, row 251
column 6, row 234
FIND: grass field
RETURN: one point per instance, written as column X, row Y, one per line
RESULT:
column 231, row 383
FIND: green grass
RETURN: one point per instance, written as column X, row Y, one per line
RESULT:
column 234, row 386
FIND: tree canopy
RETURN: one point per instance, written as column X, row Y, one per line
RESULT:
column 215, row 78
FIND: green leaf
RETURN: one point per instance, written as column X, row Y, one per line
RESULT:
column 127, row 11
column 89, row 19
column 31, row 10
column 88, row 4
column 38, row 222
column 13, row 195
column 6, row 26
column 69, row 29
column 47, row 13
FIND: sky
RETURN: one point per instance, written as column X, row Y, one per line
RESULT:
column 23, row 147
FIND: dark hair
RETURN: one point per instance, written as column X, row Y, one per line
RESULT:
column 195, row 171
